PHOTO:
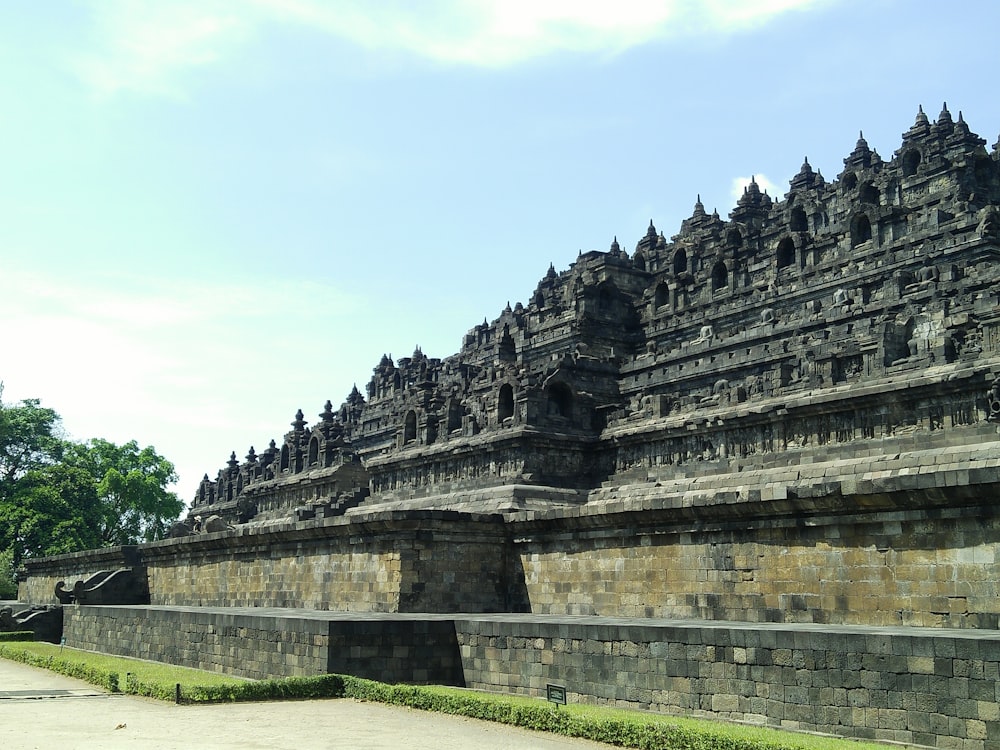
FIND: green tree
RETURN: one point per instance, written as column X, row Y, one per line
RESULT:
column 29, row 439
column 8, row 584
column 59, row 496
column 50, row 511
column 131, row 482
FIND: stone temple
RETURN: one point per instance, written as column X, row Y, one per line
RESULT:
column 748, row 471
column 851, row 321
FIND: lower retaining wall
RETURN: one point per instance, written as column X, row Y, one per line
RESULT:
column 913, row 685
column 260, row 643
column 927, row 686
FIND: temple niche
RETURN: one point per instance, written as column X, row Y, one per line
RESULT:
column 842, row 315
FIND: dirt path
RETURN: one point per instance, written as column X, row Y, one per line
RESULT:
column 39, row 709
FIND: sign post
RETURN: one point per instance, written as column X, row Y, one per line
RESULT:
column 555, row 694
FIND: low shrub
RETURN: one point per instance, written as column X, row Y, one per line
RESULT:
column 17, row 635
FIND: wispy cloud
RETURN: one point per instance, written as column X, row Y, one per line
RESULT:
column 144, row 47
column 125, row 357
column 141, row 46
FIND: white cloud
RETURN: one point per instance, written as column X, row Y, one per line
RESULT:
column 142, row 46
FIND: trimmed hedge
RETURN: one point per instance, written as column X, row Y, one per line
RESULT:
column 17, row 635
column 625, row 732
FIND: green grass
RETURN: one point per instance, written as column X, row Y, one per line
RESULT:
column 114, row 673
column 149, row 671
column 604, row 724
column 758, row 735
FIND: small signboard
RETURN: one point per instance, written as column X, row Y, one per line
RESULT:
column 555, row 694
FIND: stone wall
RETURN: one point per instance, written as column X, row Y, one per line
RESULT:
column 257, row 646
column 932, row 687
column 423, row 561
column 890, row 539
column 417, row 562
column 916, row 686
column 878, row 543
column 262, row 643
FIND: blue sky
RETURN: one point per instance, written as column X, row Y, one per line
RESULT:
column 214, row 213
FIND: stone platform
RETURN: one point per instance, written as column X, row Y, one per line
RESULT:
column 925, row 686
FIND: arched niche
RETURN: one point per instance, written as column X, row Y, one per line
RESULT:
column 911, row 161
column 454, row 417
column 734, row 239
column 720, row 276
column 798, row 222
column 869, row 194
column 505, row 402
column 559, row 399
column 410, row 427
column 313, row 450
column 785, row 255
column 680, row 261
column 283, row 460
column 661, row 295
column 861, row 230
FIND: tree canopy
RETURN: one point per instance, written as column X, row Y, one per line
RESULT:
column 28, row 439
column 131, row 487
column 57, row 495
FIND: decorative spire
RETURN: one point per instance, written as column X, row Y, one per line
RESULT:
column 232, row 463
column 251, row 456
column 551, row 273
column 699, row 208
column 944, row 125
column 861, row 156
column 962, row 137
column 806, row 178
column 327, row 414
column 751, row 195
column 615, row 247
column 961, row 128
column 299, row 422
column 920, row 128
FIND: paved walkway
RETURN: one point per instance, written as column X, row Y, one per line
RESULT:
column 40, row 709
